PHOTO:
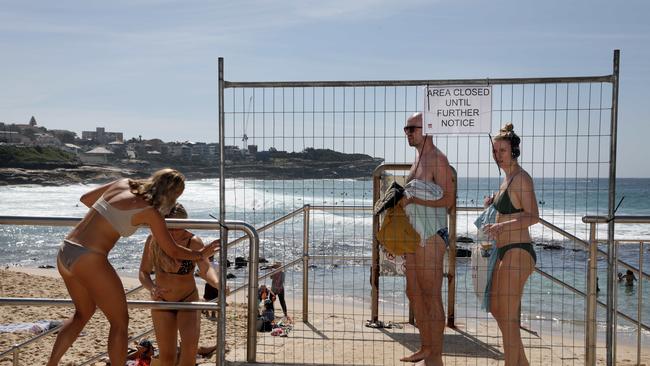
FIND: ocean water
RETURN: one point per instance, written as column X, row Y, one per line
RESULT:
column 562, row 202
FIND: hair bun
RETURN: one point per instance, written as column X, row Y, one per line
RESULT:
column 508, row 127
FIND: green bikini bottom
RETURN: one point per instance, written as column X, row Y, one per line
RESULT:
column 501, row 252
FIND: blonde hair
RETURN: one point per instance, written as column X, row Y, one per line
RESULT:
column 160, row 258
column 507, row 133
column 160, row 190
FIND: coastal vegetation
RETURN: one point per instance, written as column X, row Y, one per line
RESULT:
column 27, row 156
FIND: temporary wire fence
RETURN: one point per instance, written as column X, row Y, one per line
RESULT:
column 317, row 143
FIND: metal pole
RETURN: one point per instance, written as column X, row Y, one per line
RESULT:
column 391, row 83
column 451, row 271
column 590, row 316
column 374, row 267
column 131, row 304
column 223, row 252
column 16, row 357
column 611, row 258
column 305, row 264
column 639, row 305
column 253, row 273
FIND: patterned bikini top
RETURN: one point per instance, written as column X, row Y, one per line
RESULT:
column 186, row 266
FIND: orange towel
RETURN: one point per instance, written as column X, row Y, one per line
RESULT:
column 396, row 233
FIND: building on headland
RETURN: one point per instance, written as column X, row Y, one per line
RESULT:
column 28, row 126
column 65, row 136
column 98, row 155
column 100, row 136
column 72, row 148
column 213, row 149
column 45, row 139
column 13, row 137
column 118, row 148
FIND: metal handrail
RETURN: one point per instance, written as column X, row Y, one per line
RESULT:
column 371, row 83
column 52, row 330
column 210, row 224
column 137, row 304
column 583, row 294
column 612, row 261
column 585, row 244
column 171, row 223
column 566, row 234
column 150, row 330
column 105, row 353
column 271, row 224
column 623, row 219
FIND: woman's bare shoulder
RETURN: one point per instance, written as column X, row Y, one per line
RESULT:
column 522, row 181
column 196, row 243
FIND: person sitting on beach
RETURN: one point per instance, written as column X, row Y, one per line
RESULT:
column 424, row 268
column 264, row 293
column 175, row 282
column 116, row 210
column 210, row 293
column 277, row 287
column 516, row 206
column 266, row 317
column 629, row 278
column 142, row 355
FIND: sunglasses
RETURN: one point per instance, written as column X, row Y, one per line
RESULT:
column 410, row 129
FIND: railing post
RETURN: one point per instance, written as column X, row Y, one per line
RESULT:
column 590, row 316
column 451, row 270
column 253, row 274
column 374, row 265
column 639, row 306
column 611, row 252
column 221, row 327
column 16, row 356
column 305, row 264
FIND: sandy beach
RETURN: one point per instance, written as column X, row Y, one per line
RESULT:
column 335, row 333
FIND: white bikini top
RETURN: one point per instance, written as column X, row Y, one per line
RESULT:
column 120, row 219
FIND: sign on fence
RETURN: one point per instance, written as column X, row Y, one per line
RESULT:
column 461, row 109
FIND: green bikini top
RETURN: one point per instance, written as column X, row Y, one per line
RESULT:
column 503, row 204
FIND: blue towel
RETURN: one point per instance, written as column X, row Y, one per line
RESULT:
column 488, row 216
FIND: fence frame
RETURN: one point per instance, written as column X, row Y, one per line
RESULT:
column 613, row 79
column 224, row 227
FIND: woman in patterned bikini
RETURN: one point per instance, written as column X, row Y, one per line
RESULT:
column 175, row 282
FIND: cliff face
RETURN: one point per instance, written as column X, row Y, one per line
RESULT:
column 61, row 174
column 45, row 166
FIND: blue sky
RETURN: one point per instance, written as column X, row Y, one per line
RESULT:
column 149, row 67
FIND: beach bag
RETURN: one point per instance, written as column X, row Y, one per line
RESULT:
column 396, row 233
column 479, row 268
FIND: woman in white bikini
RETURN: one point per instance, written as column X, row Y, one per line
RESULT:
column 115, row 210
column 175, row 282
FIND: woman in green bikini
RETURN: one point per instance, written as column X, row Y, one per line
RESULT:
column 516, row 207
